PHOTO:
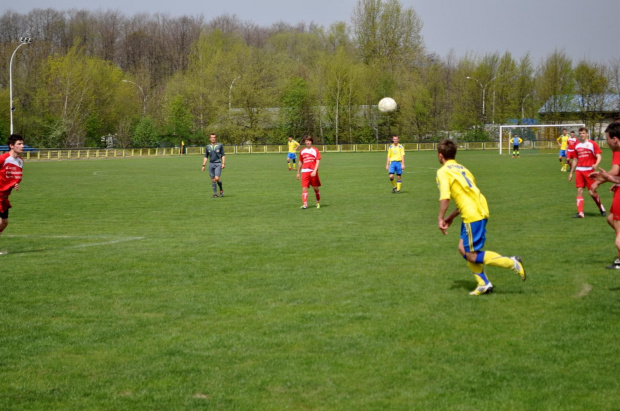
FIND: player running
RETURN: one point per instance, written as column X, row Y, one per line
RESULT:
column 588, row 158
column 309, row 158
column 291, row 158
column 562, row 141
column 11, row 166
column 457, row 183
column 395, row 164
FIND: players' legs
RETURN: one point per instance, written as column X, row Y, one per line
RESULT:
column 473, row 236
column 595, row 196
column 578, row 182
column 4, row 222
column 393, row 182
column 288, row 163
column 304, row 197
column 317, row 195
column 399, row 183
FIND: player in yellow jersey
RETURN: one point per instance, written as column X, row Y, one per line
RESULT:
column 291, row 158
column 457, row 183
column 395, row 164
column 563, row 143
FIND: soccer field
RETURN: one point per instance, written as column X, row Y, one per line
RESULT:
column 126, row 286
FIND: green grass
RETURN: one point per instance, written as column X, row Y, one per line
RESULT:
column 126, row 286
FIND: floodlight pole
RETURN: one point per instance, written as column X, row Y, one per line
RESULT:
column 523, row 103
column 143, row 95
column 22, row 41
column 230, row 92
column 484, row 93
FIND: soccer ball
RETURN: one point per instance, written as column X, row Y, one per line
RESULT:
column 387, row 105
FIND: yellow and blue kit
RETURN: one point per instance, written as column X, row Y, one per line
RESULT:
column 395, row 157
column 457, row 183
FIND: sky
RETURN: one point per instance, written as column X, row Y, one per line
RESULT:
column 583, row 29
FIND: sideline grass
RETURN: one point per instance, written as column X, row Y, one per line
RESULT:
column 126, row 286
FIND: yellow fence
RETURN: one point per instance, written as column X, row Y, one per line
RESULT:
column 94, row 153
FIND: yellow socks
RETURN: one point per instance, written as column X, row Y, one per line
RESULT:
column 496, row 260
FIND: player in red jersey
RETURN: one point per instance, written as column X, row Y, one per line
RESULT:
column 11, row 165
column 588, row 158
column 309, row 159
column 612, row 133
column 570, row 147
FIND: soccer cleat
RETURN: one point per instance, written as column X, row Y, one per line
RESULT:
column 397, row 191
column 518, row 267
column 615, row 265
column 215, row 195
column 604, row 213
column 579, row 215
column 318, row 205
column 303, row 207
column 221, row 194
column 394, row 190
column 482, row 289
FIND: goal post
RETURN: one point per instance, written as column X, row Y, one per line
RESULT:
column 511, row 126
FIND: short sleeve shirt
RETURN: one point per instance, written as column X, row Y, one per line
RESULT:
column 214, row 152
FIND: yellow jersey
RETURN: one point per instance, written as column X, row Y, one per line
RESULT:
column 396, row 153
column 457, row 183
column 292, row 146
column 563, row 141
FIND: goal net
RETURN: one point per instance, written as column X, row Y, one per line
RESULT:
column 527, row 132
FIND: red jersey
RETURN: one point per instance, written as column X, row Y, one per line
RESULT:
column 586, row 155
column 308, row 158
column 10, row 172
column 571, row 143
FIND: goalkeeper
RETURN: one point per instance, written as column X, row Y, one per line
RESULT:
column 516, row 140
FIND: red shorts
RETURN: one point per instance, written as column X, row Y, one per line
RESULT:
column 307, row 180
column 5, row 205
column 571, row 154
column 615, row 204
column 582, row 180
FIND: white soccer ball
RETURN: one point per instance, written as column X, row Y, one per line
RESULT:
column 387, row 105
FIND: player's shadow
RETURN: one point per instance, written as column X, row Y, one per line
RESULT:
column 467, row 285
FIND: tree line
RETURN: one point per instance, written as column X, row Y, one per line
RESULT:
column 156, row 80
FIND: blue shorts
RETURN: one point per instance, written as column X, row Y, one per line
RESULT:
column 396, row 167
column 562, row 153
column 292, row 156
column 474, row 235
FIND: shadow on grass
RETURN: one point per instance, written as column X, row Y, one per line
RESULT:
column 464, row 284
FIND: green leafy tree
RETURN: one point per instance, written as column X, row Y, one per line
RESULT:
column 296, row 116
column 179, row 121
column 388, row 33
column 555, row 85
column 591, row 87
column 77, row 99
column 145, row 133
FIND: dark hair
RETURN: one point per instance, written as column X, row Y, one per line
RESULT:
column 613, row 129
column 14, row 138
column 447, row 148
column 584, row 129
column 309, row 138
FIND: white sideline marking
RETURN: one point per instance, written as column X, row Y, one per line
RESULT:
column 113, row 240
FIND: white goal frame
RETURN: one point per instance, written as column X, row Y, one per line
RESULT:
column 502, row 127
